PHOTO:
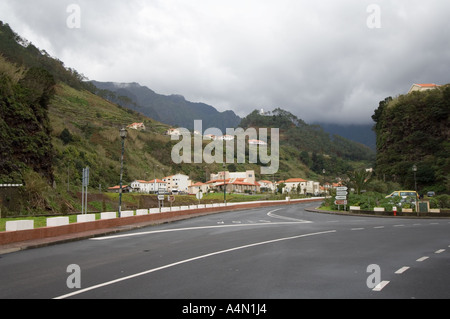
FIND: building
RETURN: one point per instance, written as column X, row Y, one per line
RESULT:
column 256, row 142
column 137, row 126
column 198, row 187
column 248, row 176
column 148, row 187
column 116, row 189
column 423, row 87
column 236, row 182
column 173, row 132
column 177, row 183
column 266, row 186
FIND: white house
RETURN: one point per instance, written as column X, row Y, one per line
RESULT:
column 148, row 187
column 177, row 183
column 173, row 132
column 137, row 126
column 256, row 142
column 198, row 187
column 268, row 185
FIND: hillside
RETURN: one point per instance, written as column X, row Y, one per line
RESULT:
column 53, row 125
column 174, row 110
column 414, row 129
column 312, row 146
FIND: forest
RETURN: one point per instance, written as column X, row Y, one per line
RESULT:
column 413, row 131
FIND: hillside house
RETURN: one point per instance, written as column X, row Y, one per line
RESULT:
column 137, row 126
column 177, row 183
column 423, row 87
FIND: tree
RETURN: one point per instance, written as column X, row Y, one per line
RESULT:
column 359, row 179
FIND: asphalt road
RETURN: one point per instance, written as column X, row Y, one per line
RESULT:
column 265, row 253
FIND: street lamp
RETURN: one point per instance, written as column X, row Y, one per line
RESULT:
column 224, row 185
column 123, row 136
column 414, row 168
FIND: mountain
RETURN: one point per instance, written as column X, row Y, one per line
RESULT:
column 174, row 110
column 363, row 134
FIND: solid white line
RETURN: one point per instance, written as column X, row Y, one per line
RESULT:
column 271, row 214
column 422, row 259
column 189, row 228
column 189, row 260
column 380, row 286
column 439, row 251
column 401, row 270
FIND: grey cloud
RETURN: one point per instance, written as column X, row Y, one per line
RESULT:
column 317, row 59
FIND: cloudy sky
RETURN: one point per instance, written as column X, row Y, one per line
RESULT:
column 324, row 60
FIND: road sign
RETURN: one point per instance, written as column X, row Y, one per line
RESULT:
column 161, row 197
column 340, row 202
column 199, row 195
column 341, row 193
column 341, row 197
column 342, row 188
column 171, row 199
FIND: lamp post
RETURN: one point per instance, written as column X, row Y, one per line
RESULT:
column 123, row 136
column 414, row 169
column 224, row 185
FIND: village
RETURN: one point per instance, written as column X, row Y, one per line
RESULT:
column 225, row 181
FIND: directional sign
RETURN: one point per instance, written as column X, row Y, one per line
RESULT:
column 342, row 188
column 341, row 197
column 340, row 202
column 341, row 193
column 161, row 197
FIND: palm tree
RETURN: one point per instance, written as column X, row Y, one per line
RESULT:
column 358, row 179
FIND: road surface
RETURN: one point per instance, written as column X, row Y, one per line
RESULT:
column 265, row 253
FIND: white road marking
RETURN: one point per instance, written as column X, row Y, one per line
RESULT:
column 399, row 225
column 78, row 292
column 357, row 228
column 401, row 270
column 422, row 259
column 380, row 286
column 189, row 228
column 271, row 214
column 379, row 227
column 439, row 251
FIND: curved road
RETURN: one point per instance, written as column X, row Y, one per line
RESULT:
column 264, row 253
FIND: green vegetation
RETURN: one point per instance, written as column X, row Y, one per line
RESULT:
column 413, row 130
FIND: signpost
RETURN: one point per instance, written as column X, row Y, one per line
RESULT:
column 341, row 197
column 171, row 200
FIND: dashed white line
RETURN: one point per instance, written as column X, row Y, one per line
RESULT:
column 401, row 270
column 380, row 286
column 378, row 227
column 357, row 228
column 422, row 259
column 439, row 251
